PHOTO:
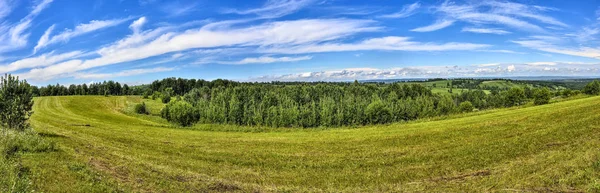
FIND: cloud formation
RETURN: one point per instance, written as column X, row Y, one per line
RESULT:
column 406, row 11
column 478, row 70
column 79, row 30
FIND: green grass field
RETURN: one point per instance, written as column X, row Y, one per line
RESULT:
column 103, row 147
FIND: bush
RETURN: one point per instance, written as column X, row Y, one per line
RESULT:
column 567, row 93
column 466, row 107
column 542, row 96
column 181, row 113
column 16, row 102
column 514, row 97
column 141, row 109
column 166, row 99
column 156, row 95
column 378, row 113
column 592, row 88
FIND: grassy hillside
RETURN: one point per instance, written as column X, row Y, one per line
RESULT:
column 105, row 148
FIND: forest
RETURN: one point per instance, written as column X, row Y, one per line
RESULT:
column 321, row 104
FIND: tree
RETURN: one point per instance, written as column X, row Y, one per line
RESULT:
column 514, row 97
column 378, row 113
column 181, row 113
column 592, row 88
column 16, row 102
column 166, row 95
column 141, row 108
column 466, row 107
column 542, row 96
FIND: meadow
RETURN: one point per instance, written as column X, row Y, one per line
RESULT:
column 104, row 147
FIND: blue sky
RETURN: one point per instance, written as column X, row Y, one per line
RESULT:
column 137, row 41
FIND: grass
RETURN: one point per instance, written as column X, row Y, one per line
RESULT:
column 106, row 148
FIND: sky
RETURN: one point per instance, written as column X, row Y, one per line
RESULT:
column 138, row 41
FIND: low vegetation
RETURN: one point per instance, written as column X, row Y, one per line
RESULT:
column 16, row 137
column 553, row 147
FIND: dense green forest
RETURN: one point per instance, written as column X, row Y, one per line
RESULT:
column 316, row 104
column 307, row 105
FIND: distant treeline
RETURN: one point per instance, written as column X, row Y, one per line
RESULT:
column 101, row 88
column 332, row 104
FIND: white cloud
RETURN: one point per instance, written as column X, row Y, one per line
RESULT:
column 274, row 8
column 385, row 43
column 39, row 61
column 124, row 73
column 79, row 30
column 152, row 43
column 277, row 37
column 483, row 13
column 14, row 36
column 510, row 68
column 137, row 25
column 440, row 24
column 407, row 10
column 485, row 31
column 541, row 63
column 549, row 47
column 268, row 59
column 480, row 70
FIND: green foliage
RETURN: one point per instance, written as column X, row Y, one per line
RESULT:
column 141, row 108
column 15, row 177
column 378, row 113
column 515, row 96
column 166, row 95
column 181, row 113
column 542, row 96
column 466, row 107
column 16, row 101
column 478, row 152
column 592, row 88
column 567, row 93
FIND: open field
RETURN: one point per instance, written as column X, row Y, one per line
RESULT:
column 104, row 147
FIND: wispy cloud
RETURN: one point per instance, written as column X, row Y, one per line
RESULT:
column 485, row 31
column 14, row 36
column 439, row 24
column 407, row 10
column 509, row 14
column 124, row 73
column 176, row 8
column 479, row 70
column 386, row 43
column 137, row 25
column 541, row 45
column 79, row 30
column 267, row 59
column 274, row 8
column 39, row 61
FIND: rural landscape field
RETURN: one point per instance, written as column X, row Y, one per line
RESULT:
column 299, row 96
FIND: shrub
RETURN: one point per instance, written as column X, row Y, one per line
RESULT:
column 141, row 108
column 466, row 107
column 514, row 97
column 156, row 95
column 542, row 96
column 378, row 113
column 166, row 99
column 592, row 88
column 181, row 113
column 16, row 102
column 567, row 93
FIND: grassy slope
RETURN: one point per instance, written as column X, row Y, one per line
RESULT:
column 545, row 148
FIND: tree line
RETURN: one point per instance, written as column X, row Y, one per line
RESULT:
column 332, row 104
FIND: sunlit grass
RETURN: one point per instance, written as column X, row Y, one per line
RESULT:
column 105, row 147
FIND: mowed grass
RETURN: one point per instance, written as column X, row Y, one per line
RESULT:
column 105, row 148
